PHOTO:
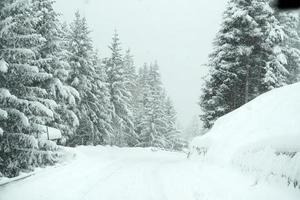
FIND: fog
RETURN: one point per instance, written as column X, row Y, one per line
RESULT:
column 176, row 33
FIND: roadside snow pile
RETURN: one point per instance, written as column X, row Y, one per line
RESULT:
column 262, row 136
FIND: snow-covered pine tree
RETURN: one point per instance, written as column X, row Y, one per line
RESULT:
column 174, row 135
column 290, row 23
column 131, row 78
column 275, row 71
column 153, row 125
column 156, row 117
column 53, row 59
column 246, row 60
column 82, row 70
column 92, row 109
column 103, row 104
column 21, row 91
column 141, row 97
column 3, row 113
column 134, row 88
column 120, row 94
column 130, row 71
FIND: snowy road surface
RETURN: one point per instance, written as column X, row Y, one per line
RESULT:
column 105, row 173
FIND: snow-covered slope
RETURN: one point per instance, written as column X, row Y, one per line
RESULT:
column 261, row 136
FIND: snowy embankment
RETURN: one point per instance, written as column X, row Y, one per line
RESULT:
column 262, row 137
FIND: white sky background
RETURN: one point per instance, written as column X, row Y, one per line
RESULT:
column 176, row 33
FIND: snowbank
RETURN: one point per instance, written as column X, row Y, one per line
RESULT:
column 261, row 136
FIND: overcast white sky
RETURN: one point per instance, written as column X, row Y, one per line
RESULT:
column 176, row 33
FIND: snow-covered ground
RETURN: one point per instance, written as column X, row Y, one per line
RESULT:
column 110, row 173
column 261, row 138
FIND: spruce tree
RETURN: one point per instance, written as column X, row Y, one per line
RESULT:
column 53, row 59
column 23, row 99
column 174, row 135
column 82, row 69
column 120, row 94
column 291, row 44
column 93, row 108
column 154, row 127
column 103, row 105
column 130, row 71
column 141, row 97
column 247, row 59
column 156, row 117
column 3, row 113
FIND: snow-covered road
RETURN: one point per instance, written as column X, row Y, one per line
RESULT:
column 106, row 173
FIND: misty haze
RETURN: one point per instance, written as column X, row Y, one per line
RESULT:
column 149, row 100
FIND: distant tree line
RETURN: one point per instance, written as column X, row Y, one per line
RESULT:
column 51, row 75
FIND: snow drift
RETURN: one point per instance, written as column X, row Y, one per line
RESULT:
column 262, row 136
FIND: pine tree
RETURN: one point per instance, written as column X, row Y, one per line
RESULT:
column 3, row 113
column 153, row 123
column 134, row 88
column 247, row 59
column 82, row 69
column 156, row 117
column 53, row 59
column 93, row 108
column 174, row 135
column 103, row 104
column 130, row 71
column 141, row 97
column 117, row 78
column 291, row 44
column 23, row 98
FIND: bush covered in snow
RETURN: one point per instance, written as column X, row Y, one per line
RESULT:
column 21, row 152
column 261, row 137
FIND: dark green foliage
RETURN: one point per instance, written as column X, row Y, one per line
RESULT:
column 19, row 152
column 89, row 79
column 22, row 91
column 251, row 56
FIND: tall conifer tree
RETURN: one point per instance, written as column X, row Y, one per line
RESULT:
column 86, row 78
column 120, row 93
column 23, row 97
column 248, row 58
column 53, row 59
